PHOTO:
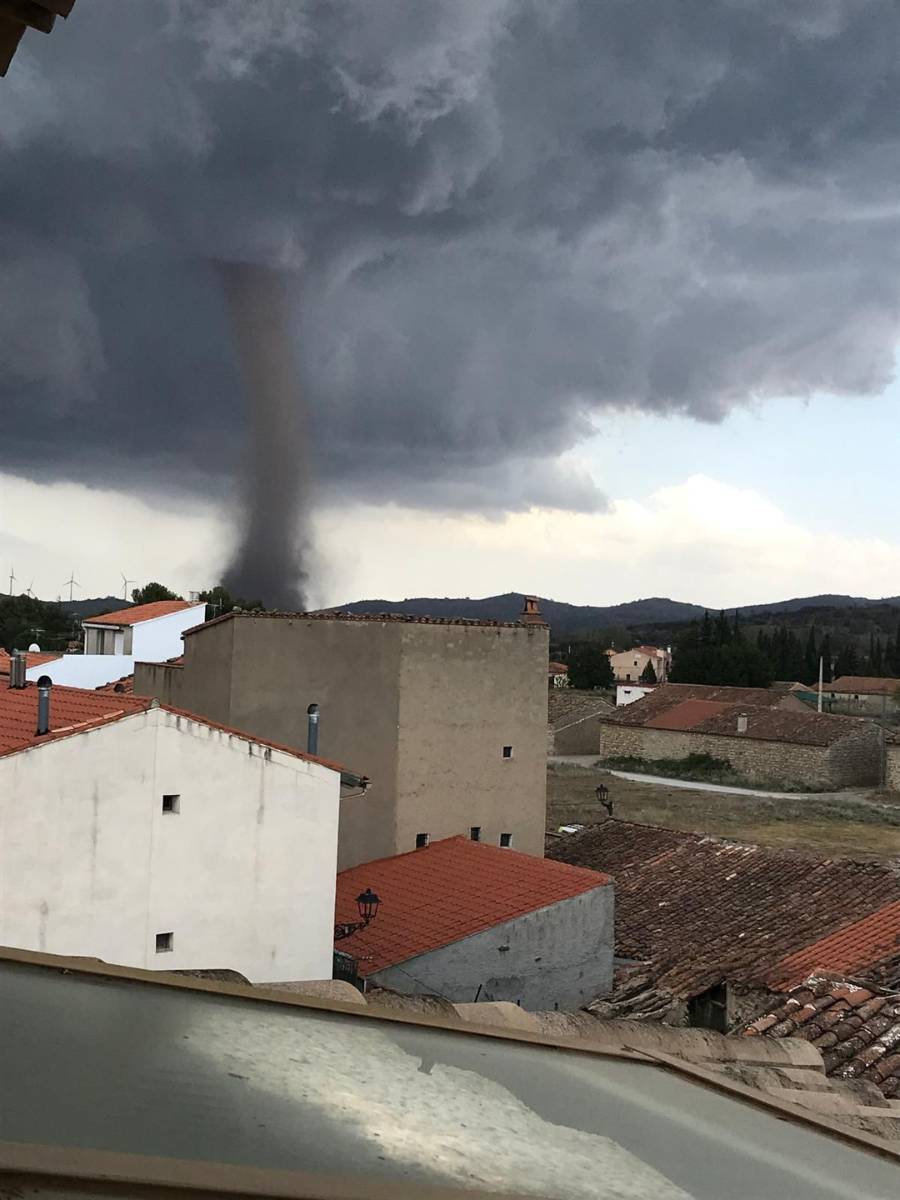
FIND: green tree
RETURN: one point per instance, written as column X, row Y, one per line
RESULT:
column 811, row 657
column 827, row 659
column 648, row 675
column 219, row 600
column 589, row 667
column 151, row 592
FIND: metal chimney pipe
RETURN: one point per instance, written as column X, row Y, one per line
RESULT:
column 312, row 729
column 16, row 670
column 43, row 721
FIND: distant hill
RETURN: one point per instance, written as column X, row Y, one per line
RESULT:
column 568, row 619
column 563, row 618
column 80, row 609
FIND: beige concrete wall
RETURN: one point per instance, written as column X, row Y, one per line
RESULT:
column 466, row 691
column 351, row 670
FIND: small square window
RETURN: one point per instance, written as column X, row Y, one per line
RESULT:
column 475, row 833
column 505, row 839
column 507, row 751
column 171, row 804
column 421, row 840
column 165, row 941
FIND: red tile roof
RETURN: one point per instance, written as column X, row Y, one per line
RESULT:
column 856, row 1029
column 141, row 612
column 773, row 714
column 75, row 710
column 856, row 949
column 125, row 684
column 862, row 685
column 448, row 891
column 31, row 659
column 72, row 710
column 685, row 715
column 697, row 910
column 558, row 668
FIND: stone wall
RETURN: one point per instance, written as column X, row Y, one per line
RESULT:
column 892, row 768
column 856, row 760
column 581, row 737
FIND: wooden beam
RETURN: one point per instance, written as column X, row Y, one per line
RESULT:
column 36, row 16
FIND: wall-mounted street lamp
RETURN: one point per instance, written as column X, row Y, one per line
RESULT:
column 367, row 903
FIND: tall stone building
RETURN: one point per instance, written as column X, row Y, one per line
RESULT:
column 447, row 718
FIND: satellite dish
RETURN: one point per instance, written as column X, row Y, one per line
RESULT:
column 34, row 648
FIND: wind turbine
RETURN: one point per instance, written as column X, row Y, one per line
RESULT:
column 71, row 583
column 28, row 591
column 125, row 583
column 12, row 578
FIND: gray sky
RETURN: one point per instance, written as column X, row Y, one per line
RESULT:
column 513, row 219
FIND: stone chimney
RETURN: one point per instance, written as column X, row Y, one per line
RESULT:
column 531, row 611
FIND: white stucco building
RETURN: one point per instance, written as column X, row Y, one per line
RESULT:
column 145, row 836
column 114, row 641
column 627, row 693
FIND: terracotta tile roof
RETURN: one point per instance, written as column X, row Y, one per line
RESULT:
column 558, row 668
column 856, row 949
column 123, row 685
column 31, row 659
column 856, row 1029
column 715, row 710
column 862, row 685
column 696, row 910
column 685, row 715
column 72, row 710
column 377, row 618
column 448, row 891
column 141, row 612
column 75, row 710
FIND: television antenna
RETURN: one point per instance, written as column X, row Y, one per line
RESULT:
column 125, row 583
column 71, row 583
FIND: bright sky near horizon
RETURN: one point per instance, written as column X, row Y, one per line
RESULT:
column 789, row 499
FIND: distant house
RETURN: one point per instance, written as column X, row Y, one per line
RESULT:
column 148, row 836
column 627, row 693
column 468, row 921
column 629, row 665
column 557, row 675
column 707, row 928
column 765, row 733
column 114, row 641
column 862, row 695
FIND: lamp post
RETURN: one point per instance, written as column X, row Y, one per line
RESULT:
column 367, row 903
column 602, row 793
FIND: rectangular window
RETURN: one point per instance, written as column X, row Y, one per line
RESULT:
column 421, row 840
column 165, row 941
column 505, row 839
column 507, row 751
column 171, row 804
column 475, row 833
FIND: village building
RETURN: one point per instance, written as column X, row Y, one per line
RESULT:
column 466, row 921
column 629, row 666
column 627, row 693
column 114, row 641
column 768, row 735
column 144, row 835
column 448, row 718
column 557, row 675
column 573, row 721
column 863, row 696
column 706, row 928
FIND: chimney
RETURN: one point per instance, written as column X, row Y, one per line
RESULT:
column 312, row 729
column 742, row 723
column 16, row 670
column 531, row 611
column 43, row 722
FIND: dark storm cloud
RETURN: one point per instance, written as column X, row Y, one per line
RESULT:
column 509, row 214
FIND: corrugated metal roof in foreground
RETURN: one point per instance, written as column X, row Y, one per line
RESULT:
column 130, row 1067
